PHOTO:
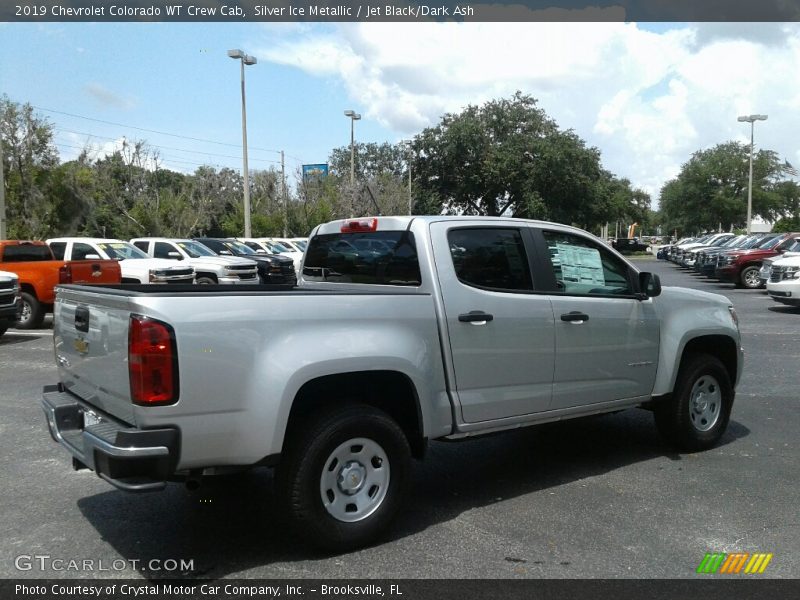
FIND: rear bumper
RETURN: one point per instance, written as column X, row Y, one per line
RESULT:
column 134, row 460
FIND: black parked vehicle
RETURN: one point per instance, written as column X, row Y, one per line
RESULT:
column 272, row 268
column 625, row 245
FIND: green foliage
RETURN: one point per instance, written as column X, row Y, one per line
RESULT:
column 787, row 225
column 711, row 189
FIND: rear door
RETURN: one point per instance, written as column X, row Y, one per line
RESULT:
column 606, row 339
column 500, row 330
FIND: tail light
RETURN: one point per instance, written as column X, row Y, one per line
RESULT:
column 152, row 362
column 65, row 274
column 358, row 225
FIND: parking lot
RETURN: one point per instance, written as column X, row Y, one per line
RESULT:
column 596, row 497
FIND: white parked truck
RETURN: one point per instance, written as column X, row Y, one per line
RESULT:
column 450, row 327
column 209, row 268
column 135, row 265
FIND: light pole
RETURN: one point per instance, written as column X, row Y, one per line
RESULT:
column 410, row 149
column 245, row 59
column 354, row 116
column 752, row 120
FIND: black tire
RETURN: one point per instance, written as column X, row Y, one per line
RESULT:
column 3, row 329
column 748, row 280
column 679, row 420
column 205, row 280
column 32, row 312
column 300, row 473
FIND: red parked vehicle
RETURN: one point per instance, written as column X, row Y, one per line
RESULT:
column 742, row 266
column 39, row 273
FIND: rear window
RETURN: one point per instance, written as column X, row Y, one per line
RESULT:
column 350, row 258
column 26, row 253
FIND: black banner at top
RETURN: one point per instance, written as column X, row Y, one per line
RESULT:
column 401, row 11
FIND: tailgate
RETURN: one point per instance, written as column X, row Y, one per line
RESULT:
column 95, row 271
column 90, row 334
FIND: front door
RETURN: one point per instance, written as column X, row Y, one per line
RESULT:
column 607, row 339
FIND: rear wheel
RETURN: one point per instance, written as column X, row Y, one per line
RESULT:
column 750, row 277
column 697, row 414
column 32, row 312
column 342, row 479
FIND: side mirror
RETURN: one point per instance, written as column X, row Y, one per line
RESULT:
column 225, row 252
column 92, row 257
column 174, row 255
column 649, row 285
column 261, row 251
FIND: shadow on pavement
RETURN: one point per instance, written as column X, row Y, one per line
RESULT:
column 231, row 524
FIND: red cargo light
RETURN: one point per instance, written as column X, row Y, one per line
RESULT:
column 152, row 362
column 65, row 274
column 358, row 225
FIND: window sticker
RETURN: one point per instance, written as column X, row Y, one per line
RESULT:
column 580, row 264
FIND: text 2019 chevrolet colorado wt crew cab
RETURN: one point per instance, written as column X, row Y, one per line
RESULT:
column 447, row 328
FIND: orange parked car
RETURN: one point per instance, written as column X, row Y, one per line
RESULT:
column 39, row 273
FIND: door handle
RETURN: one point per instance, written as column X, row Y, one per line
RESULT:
column 575, row 316
column 475, row 317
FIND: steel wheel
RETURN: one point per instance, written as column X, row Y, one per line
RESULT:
column 355, row 480
column 705, row 402
column 25, row 315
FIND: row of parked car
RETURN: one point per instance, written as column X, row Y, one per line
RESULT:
column 770, row 260
column 29, row 271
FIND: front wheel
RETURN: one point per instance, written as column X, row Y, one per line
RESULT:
column 204, row 280
column 32, row 312
column 343, row 477
column 697, row 414
column 750, row 278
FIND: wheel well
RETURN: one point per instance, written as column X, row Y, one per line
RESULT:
column 27, row 287
column 204, row 274
column 389, row 391
column 720, row 346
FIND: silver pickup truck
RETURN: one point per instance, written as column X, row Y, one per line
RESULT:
column 438, row 328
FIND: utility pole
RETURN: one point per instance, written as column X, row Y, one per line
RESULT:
column 283, row 195
column 2, row 195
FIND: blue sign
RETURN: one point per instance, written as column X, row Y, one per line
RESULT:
column 312, row 172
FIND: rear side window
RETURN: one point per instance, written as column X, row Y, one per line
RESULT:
column 141, row 246
column 344, row 258
column 27, row 253
column 492, row 258
column 58, row 249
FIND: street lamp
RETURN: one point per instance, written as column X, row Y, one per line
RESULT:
column 245, row 59
column 354, row 116
column 410, row 147
column 751, row 119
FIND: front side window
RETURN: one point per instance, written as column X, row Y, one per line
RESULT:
column 81, row 250
column 162, row 250
column 491, row 258
column 583, row 268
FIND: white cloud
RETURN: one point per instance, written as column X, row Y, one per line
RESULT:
column 646, row 99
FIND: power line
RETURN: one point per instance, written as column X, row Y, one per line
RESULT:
column 185, row 137
column 105, row 137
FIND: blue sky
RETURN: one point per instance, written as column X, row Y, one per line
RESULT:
column 646, row 95
column 176, row 78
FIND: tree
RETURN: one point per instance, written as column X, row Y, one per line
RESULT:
column 507, row 157
column 29, row 155
column 711, row 189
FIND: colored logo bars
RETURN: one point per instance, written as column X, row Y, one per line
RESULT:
column 741, row 562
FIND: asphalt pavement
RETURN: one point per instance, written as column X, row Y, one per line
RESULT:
column 599, row 497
